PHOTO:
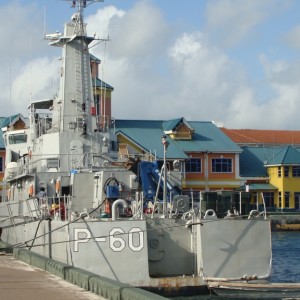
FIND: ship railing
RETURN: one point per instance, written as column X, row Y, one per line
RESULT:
column 34, row 208
column 76, row 123
column 59, row 207
column 20, row 211
column 28, row 164
column 209, row 208
column 42, row 125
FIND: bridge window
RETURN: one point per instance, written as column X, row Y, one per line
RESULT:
column 18, row 138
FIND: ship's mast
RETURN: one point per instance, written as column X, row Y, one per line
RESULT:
column 81, row 5
column 72, row 108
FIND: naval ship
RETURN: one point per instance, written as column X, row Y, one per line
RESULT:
column 69, row 196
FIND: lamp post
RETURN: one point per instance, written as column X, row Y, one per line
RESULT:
column 165, row 144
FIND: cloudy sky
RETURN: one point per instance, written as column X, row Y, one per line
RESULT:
column 235, row 62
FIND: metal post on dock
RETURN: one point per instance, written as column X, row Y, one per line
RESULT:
column 165, row 144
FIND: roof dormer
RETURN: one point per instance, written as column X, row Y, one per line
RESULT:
column 178, row 129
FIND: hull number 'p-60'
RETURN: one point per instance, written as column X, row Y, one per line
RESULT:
column 117, row 238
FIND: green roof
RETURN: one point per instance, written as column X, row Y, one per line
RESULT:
column 5, row 121
column 207, row 137
column 2, row 145
column 171, row 124
column 94, row 58
column 258, row 187
column 286, row 156
column 102, row 84
column 252, row 161
column 255, row 160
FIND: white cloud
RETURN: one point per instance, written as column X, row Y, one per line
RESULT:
column 156, row 74
column 36, row 81
column 200, row 81
column 293, row 37
column 22, row 71
column 231, row 21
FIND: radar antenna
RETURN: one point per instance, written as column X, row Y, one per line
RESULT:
column 81, row 4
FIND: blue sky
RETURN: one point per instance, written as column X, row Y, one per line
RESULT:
column 235, row 62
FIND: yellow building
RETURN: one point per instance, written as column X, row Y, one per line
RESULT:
column 284, row 173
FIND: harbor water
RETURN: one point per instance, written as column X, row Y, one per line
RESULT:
column 285, row 264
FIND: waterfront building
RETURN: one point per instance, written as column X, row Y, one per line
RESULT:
column 207, row 158
column 270, row 166
column 223, row 161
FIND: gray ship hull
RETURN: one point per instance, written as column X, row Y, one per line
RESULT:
column 157, row 254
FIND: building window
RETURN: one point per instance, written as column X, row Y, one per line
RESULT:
column 269, row 199
column 193, row 165
column 296, row 171
column 279, row 200
column 286, row 171
column 297, row 200
column 97, row 104
column 286, row 199
column 222, row 165
column 1, row 164
column 279, row 171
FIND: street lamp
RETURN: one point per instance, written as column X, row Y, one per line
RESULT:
column 165, row 144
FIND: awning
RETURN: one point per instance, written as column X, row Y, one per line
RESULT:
column 41, row 104
column 258, row 187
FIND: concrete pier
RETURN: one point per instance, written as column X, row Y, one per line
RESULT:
column 19, row 280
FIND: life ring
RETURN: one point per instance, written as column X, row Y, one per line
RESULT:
column 107, row 207
column 30, row 190
column 57, row 186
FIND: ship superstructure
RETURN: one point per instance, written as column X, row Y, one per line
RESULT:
column 71, row 199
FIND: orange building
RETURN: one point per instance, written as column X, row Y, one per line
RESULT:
column 207, row 158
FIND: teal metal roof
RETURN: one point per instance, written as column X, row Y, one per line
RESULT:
column 5, row 121
column 102, row 84
column 207, row 137
column 2, row 145
column 258, row 187
column 286, row 156
column 254, row 160
column 171, row 124
column 94, row 58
